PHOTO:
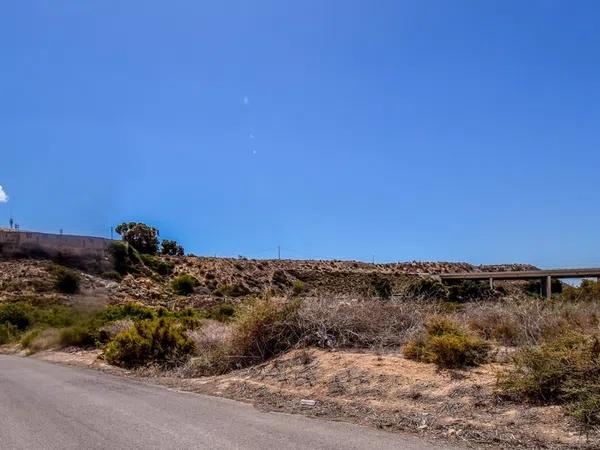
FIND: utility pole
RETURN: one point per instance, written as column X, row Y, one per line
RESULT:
column 279, row 252
column 111, row 233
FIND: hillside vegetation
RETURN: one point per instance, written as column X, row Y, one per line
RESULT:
column 344, row 333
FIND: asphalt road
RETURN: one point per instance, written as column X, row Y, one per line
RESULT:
column 50, row 406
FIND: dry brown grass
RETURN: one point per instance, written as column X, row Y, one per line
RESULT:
column 528, row 321
column 372, row 323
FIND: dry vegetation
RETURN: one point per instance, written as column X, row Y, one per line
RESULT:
column 503, row 368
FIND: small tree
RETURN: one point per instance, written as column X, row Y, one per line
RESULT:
column 171, row 248
column 140, row 236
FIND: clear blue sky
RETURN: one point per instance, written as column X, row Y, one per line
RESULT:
column 434, row 130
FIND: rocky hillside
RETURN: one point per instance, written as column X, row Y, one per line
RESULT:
column 226, row 279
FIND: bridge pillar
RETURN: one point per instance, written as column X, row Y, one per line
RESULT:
column 547, row 287
column 491, row 283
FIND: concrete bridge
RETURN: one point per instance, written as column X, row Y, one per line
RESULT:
column 545, row 276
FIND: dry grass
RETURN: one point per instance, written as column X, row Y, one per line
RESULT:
column 44, row 340
column 372, row 323
column 528, row 321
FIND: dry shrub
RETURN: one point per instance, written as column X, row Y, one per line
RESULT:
column 212, row 350
column 565, row 370
column 586, row 292
column 210, row 336
column 339, row 322
column 110, row 330
column 44, row 340
column 264, row 328
column 448, row 345
column 530, row 321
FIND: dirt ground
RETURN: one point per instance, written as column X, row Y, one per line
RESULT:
column 381, row 390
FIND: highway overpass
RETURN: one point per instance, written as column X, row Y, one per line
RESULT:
column 545, row 276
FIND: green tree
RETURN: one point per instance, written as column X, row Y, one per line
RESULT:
column 171, row 248
column 140, row 236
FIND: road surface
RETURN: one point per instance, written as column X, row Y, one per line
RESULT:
column 50, row 406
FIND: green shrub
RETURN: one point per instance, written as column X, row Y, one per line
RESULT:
column 67, row 281
column 16, row 314
column 446, row 344
column 189, row 318
column 158, row 265
column 8, row 333
column 564, row 370
column 184, row 284
column 428, row 289
column 468, row 290
column 28, row 337
column 127, row 311
column 298, row 287
column 545, row 373
column 57, row 316
column 82, row 335
column 150, row 341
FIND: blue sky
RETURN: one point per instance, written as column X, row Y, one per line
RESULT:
column 429, row 130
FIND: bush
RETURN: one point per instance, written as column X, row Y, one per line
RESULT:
column 497, row 324
column 338, row 322
column 212, row 355
column 587, row 291
column 264, row 328
column 184, row 284
column 8, row 333
column 298, row 287
column 67, row 281
column 223, row 312
column 17, row 314
column 428, row 289
column 82, row 335
column 157, row 264
column 127, row 311
column 28, row 337
column 541, row 373
column 159, row 340
column 42, row 340
column 382, row 287
column 446, row 344
column 564, row 370
column 468, row 290
column 232, row 290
